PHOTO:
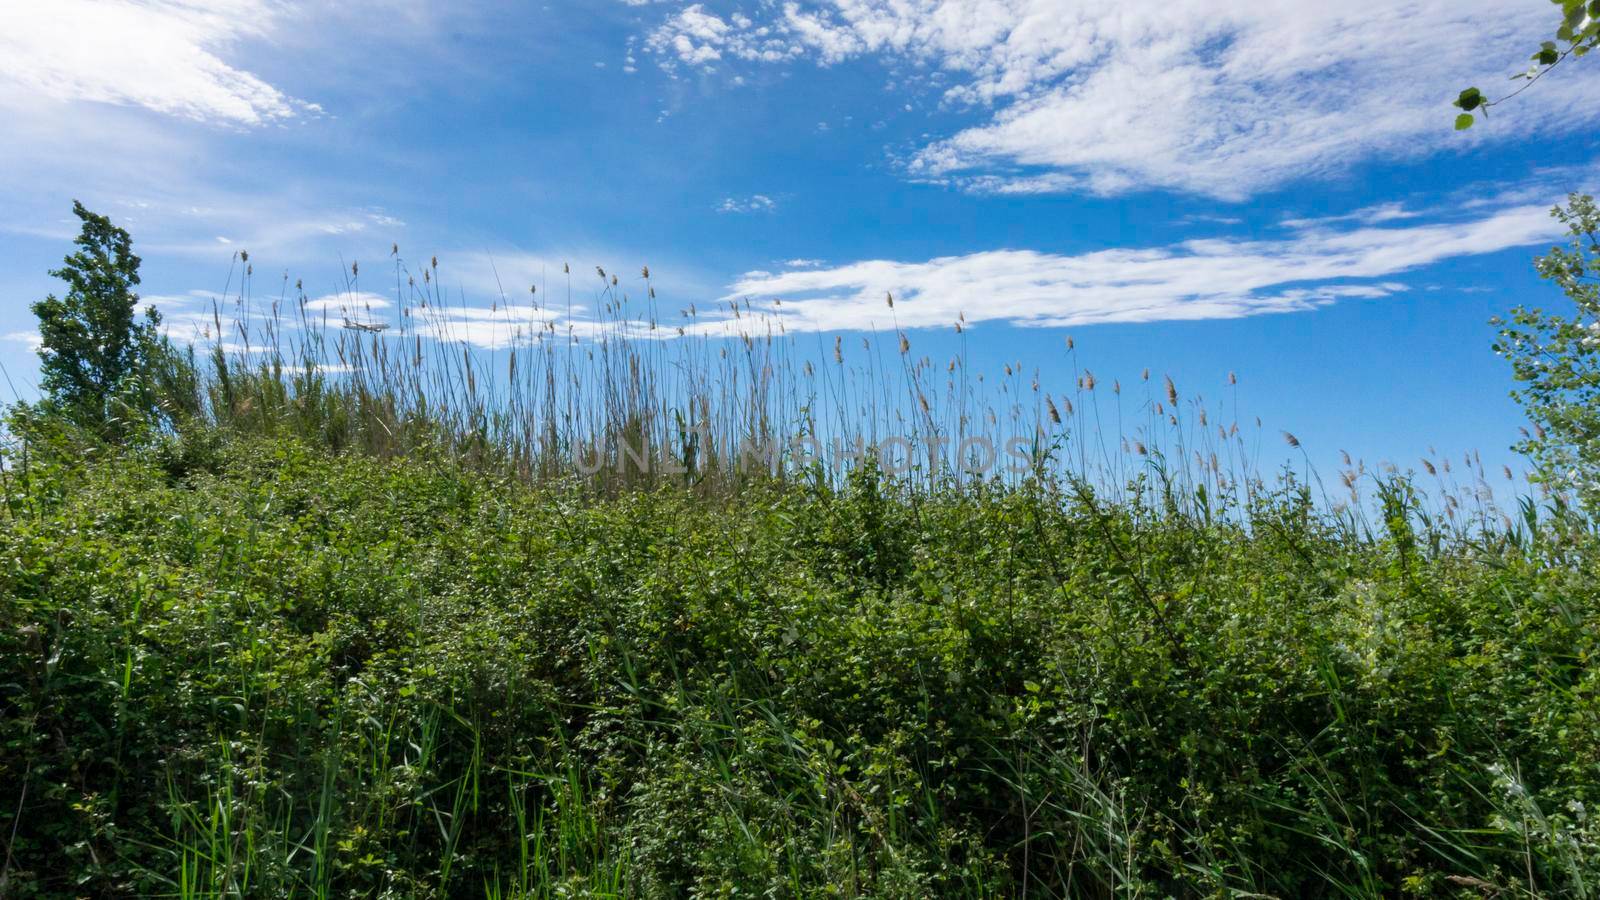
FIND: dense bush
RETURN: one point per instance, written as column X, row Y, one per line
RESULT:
column 246, row 667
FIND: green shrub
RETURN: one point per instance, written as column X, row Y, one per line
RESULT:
column 247, row 667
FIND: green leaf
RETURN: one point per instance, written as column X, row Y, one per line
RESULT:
column 1470, row 99
column 1032, row 686
column 1464, row 121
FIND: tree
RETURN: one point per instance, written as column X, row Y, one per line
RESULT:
column 1578, row 34
column 1555, row 359
column 91, row 339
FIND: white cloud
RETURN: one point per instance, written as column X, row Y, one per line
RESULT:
column 31, row 338
column 1211, row 97
column 1198, row 279
column 351, row 303
column 751, row 204
column 1370, row 215
column 700, row 38
column 162, row 55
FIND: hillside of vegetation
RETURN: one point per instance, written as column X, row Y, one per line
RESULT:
column 250, row 667
column 323, row 612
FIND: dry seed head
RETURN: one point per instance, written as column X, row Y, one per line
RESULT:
column 1145, row 375
column 1088, row 380
column 1070, row 345
column 1232, row 378
column 435, row 262
column 1172, row 393
column 1055, row 415
column 905, row 345
column 1507, row 470
column 645, row 272
column 1429, row 466
column 890, row 298
column 1291, row 440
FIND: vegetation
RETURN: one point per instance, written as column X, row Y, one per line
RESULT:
column 346, row 615
column 1577, row 34
column 92, row 344
column 1554, row 359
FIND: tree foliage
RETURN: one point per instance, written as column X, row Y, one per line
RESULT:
column 92, row 339
column 1555, row 358
column 1578, row 33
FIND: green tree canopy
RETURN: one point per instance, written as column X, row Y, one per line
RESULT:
column 1555, row 358
column 91, row 338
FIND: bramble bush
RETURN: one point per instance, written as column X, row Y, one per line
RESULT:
column 248, row 667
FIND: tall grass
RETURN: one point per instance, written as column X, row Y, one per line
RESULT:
column 581, row 382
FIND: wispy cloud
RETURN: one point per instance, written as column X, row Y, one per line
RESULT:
column 751, row 204
column 1211, row 97
column 1198, row 279
column 31, row 338
column 353, row 302
column 163, row 55
column 1370, row 215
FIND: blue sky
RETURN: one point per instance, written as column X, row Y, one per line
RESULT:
column 1197, row 187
